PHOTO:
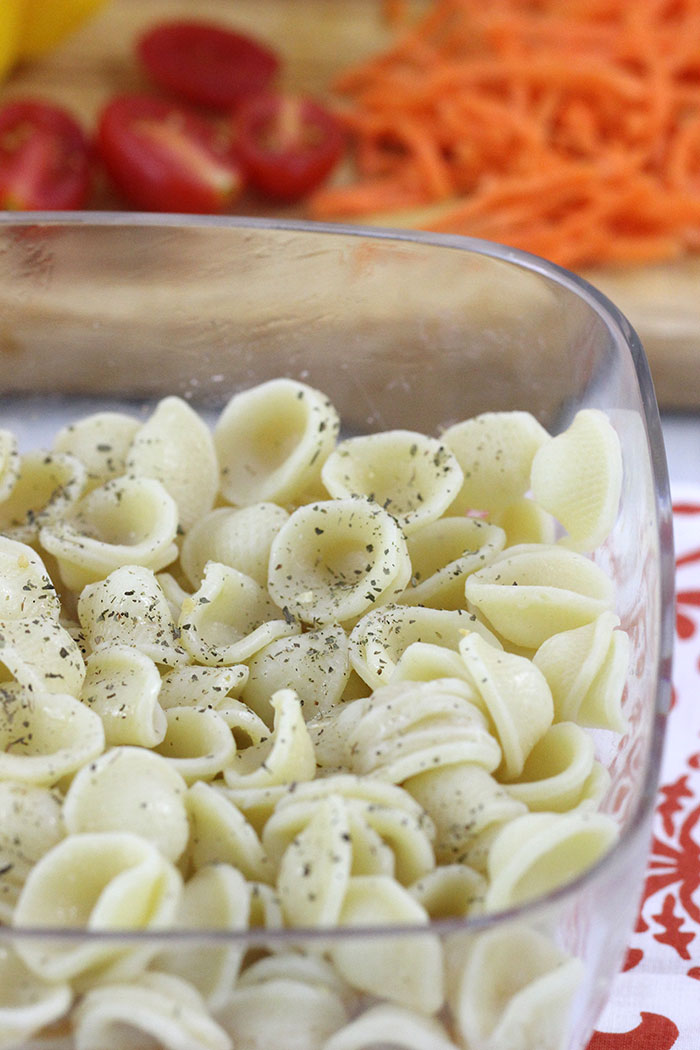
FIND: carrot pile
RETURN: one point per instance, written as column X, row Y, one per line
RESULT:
column 568, row 128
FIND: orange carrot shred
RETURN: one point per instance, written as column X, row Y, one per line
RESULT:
column 568, row 128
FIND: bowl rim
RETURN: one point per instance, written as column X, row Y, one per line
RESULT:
column 638, row 825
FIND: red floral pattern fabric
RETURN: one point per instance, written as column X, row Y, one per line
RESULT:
column 655, row 1001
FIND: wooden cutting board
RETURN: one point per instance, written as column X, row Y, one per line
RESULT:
column 317, row 38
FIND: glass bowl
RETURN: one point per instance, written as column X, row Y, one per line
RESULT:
column 400, row 331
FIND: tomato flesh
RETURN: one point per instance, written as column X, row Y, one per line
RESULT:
column 163, row 157
column 206, row 63
column 45, row 158
column 287, row 145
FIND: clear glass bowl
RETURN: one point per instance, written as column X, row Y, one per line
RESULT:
column 399, row 330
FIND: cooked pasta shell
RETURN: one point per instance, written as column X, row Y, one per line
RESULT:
column 315, row 664
column 9, row 463
column 30, row 825
column 26, row 589
column 159, row 1010
column 47, row 486
column 386, row 1024
column 525, row 521
column 424, row 661
column 380, row 638
column 122, row 687
column 587, row 670
column 450, row 891
column 272, row 441
column 463, row 801
column 412, row 476
column 334, row 560
column 128, row 608
column 40, row 654
column 230, row 617
column 577, row 477
column 198, row 743
column 130, row 789
column 307, row 1011
column 495, row 451
column 95, row 881
column 515, row 990
column 538, row 852
column 407, row 970
column 126, row 521
column 286, row 756
column 388, row 831
column 216, row 897
column 176, row 447
column 27, row 1002
column 443, row 553
column 515, row 695
column 556, row 772
column 45, row 736
column 100, row 441
column 409, row 727
column 195, row 686
column 533, row 591
column 240, row 537
column 221, row 834
column 314, row 870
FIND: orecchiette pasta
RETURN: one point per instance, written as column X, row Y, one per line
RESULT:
column 101, row 442
column 27, row 1002
column 159, row 1009
column 128, row 607
column 513, row 990
column 495, row 451
column 334, row 560
column 577, row 477
column 130, row 789
column 412, row 476
column 230, row 618
column 46, row 487
column 96, row 881
column 175, row 446
column 239, row 537
column 259, row 684
column 532, row 591
column 26, row 590
column 126, row 521
column 272, row 442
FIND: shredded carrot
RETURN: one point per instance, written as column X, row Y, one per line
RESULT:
column 569, row 128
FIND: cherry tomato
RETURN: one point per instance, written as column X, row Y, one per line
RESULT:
column 164, row 157
column 45, row 158
column 206, row 63
column 287, row 145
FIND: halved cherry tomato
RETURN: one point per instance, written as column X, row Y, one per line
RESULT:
column 164, row 157
column 287, row 145
column 206, row 63
column 45, row 158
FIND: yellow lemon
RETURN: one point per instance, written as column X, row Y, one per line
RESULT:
column 46, row 22
column 11, row 19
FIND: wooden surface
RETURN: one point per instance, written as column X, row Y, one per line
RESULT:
column 316, row 38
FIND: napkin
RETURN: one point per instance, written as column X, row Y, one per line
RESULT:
column 655, row 1000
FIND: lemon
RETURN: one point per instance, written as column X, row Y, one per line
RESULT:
column 11, row 20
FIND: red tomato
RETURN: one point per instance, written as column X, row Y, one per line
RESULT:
column 204, row 63
column 45, row 160
column 163, row 157
column 287, row 145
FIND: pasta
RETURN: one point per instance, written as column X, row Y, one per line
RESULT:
column 175, row 446
column 272, row 442
column 414, row 477
column 258, row 678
